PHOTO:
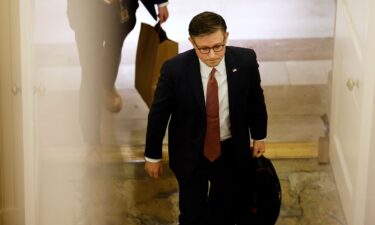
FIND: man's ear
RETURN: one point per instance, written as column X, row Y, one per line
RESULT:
column 191, row 41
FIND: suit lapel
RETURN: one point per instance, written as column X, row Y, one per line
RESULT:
column 196, row 83
column 232, row 71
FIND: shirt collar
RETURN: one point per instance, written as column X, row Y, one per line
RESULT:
column 206, row 70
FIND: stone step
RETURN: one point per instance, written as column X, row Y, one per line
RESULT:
column 292, row 49
column 135, row 154
column 294, row 116
column 122, row 194
column 296, row 99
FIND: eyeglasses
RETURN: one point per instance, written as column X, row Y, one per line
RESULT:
column 215, row 48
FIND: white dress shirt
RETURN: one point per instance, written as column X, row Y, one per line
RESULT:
column 163, row 4
column 221, row 78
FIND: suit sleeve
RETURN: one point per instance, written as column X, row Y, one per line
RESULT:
column 257, row 107
column 159, row 115
column 158, row 2
column 150, row 6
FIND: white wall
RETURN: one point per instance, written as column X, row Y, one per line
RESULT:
column 247, row 19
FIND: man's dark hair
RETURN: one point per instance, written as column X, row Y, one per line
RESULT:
column 206, row 23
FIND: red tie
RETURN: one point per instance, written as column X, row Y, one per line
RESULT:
column 212, row 140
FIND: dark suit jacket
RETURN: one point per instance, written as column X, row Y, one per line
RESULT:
column 150, row 6
column 179, row 99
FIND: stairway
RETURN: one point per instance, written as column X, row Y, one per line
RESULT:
column 117, row 192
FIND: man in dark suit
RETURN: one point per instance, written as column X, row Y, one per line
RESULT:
column 214, row 104
column 101, row 27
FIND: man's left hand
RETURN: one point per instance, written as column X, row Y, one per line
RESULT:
column 259, row 147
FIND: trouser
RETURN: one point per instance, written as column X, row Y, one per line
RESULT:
column 211, row 196
column 99, row 37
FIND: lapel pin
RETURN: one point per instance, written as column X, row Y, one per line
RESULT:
column 234, row 70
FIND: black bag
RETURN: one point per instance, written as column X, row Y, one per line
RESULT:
column 265, row 198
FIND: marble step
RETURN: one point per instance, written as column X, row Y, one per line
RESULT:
column 123, row 195
column 294, row 116
column 292, row 49
column 113, row 155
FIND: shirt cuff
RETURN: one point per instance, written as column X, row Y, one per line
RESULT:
column 152, row 160
column 163, row 4
column 264, row 139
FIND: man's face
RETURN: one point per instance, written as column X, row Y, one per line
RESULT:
column 210, row 48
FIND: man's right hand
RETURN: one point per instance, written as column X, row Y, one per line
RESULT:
column 163, row 13
column 154, row 170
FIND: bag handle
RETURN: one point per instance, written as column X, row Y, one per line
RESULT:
column 160, row 31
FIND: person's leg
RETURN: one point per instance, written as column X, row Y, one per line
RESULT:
column 222, row 195
column 193, row 201
column 114, row 40
column 85, row 18
column 89, row 49
column 244, row 210
column 112, row 56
